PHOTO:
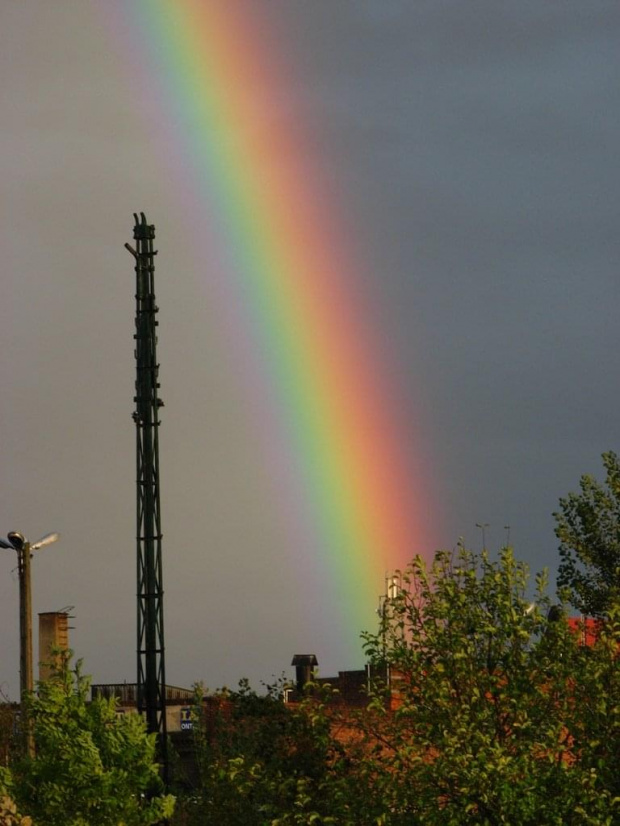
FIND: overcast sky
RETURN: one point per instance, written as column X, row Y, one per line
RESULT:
column 472, row 149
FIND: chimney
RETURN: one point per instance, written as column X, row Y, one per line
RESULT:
column 304, row 666
column 53, row 636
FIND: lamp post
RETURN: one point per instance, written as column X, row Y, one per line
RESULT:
column 18, row 542
column 483, row 527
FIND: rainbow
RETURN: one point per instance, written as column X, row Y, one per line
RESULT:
column 331, row 408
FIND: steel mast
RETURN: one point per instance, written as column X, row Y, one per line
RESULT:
column 151, row 693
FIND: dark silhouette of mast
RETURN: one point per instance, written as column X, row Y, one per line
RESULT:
column 151, row 693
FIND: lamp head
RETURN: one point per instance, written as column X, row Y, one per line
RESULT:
column 45, row 540
column 17, row 540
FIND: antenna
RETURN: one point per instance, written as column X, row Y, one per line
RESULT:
column 483, row 527
column 151, row 683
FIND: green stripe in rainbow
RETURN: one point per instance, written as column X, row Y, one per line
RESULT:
column 297, row 282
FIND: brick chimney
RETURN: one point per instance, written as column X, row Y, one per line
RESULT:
column 53, row 636
column 304, row 667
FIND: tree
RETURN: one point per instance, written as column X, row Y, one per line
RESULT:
column 263, row 762
column 485, row 708
column 588, row 527
column 92, row 767
column 9, row 816
column 495, row 714
column 8, row 716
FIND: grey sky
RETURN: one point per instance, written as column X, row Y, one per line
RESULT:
column 473, row 147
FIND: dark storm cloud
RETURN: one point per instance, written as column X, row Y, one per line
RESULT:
column 478, row 140
column 472, row 147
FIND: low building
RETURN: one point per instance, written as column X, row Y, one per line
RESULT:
column 179, row 702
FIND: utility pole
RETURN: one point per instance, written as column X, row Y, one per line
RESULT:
column 151, row 693
column 26, row 679
column 18, row 542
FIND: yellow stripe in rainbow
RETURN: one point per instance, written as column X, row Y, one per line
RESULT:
column 368, row 504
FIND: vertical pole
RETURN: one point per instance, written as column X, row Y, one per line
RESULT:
column 25, row 640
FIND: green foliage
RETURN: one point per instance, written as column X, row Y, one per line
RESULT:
column 595, row 708
column 588, row 527
column 92, row 767
column 7, row 730
column 263, row 762
column 497, row 714
column 484, row 709
column 9, row 816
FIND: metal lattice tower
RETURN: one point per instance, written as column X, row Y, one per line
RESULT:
column 151, row 694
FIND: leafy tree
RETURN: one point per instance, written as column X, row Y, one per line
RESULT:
column 9, row 816
column 8, row 713
column 495, row 713
column 486, row 708
column 92, row 767
column 264, row 762
column 588, row 527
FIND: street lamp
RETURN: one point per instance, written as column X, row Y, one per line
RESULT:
column 18, row 542
column 483, row 527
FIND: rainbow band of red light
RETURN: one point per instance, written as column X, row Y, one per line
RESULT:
column 317, row 347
